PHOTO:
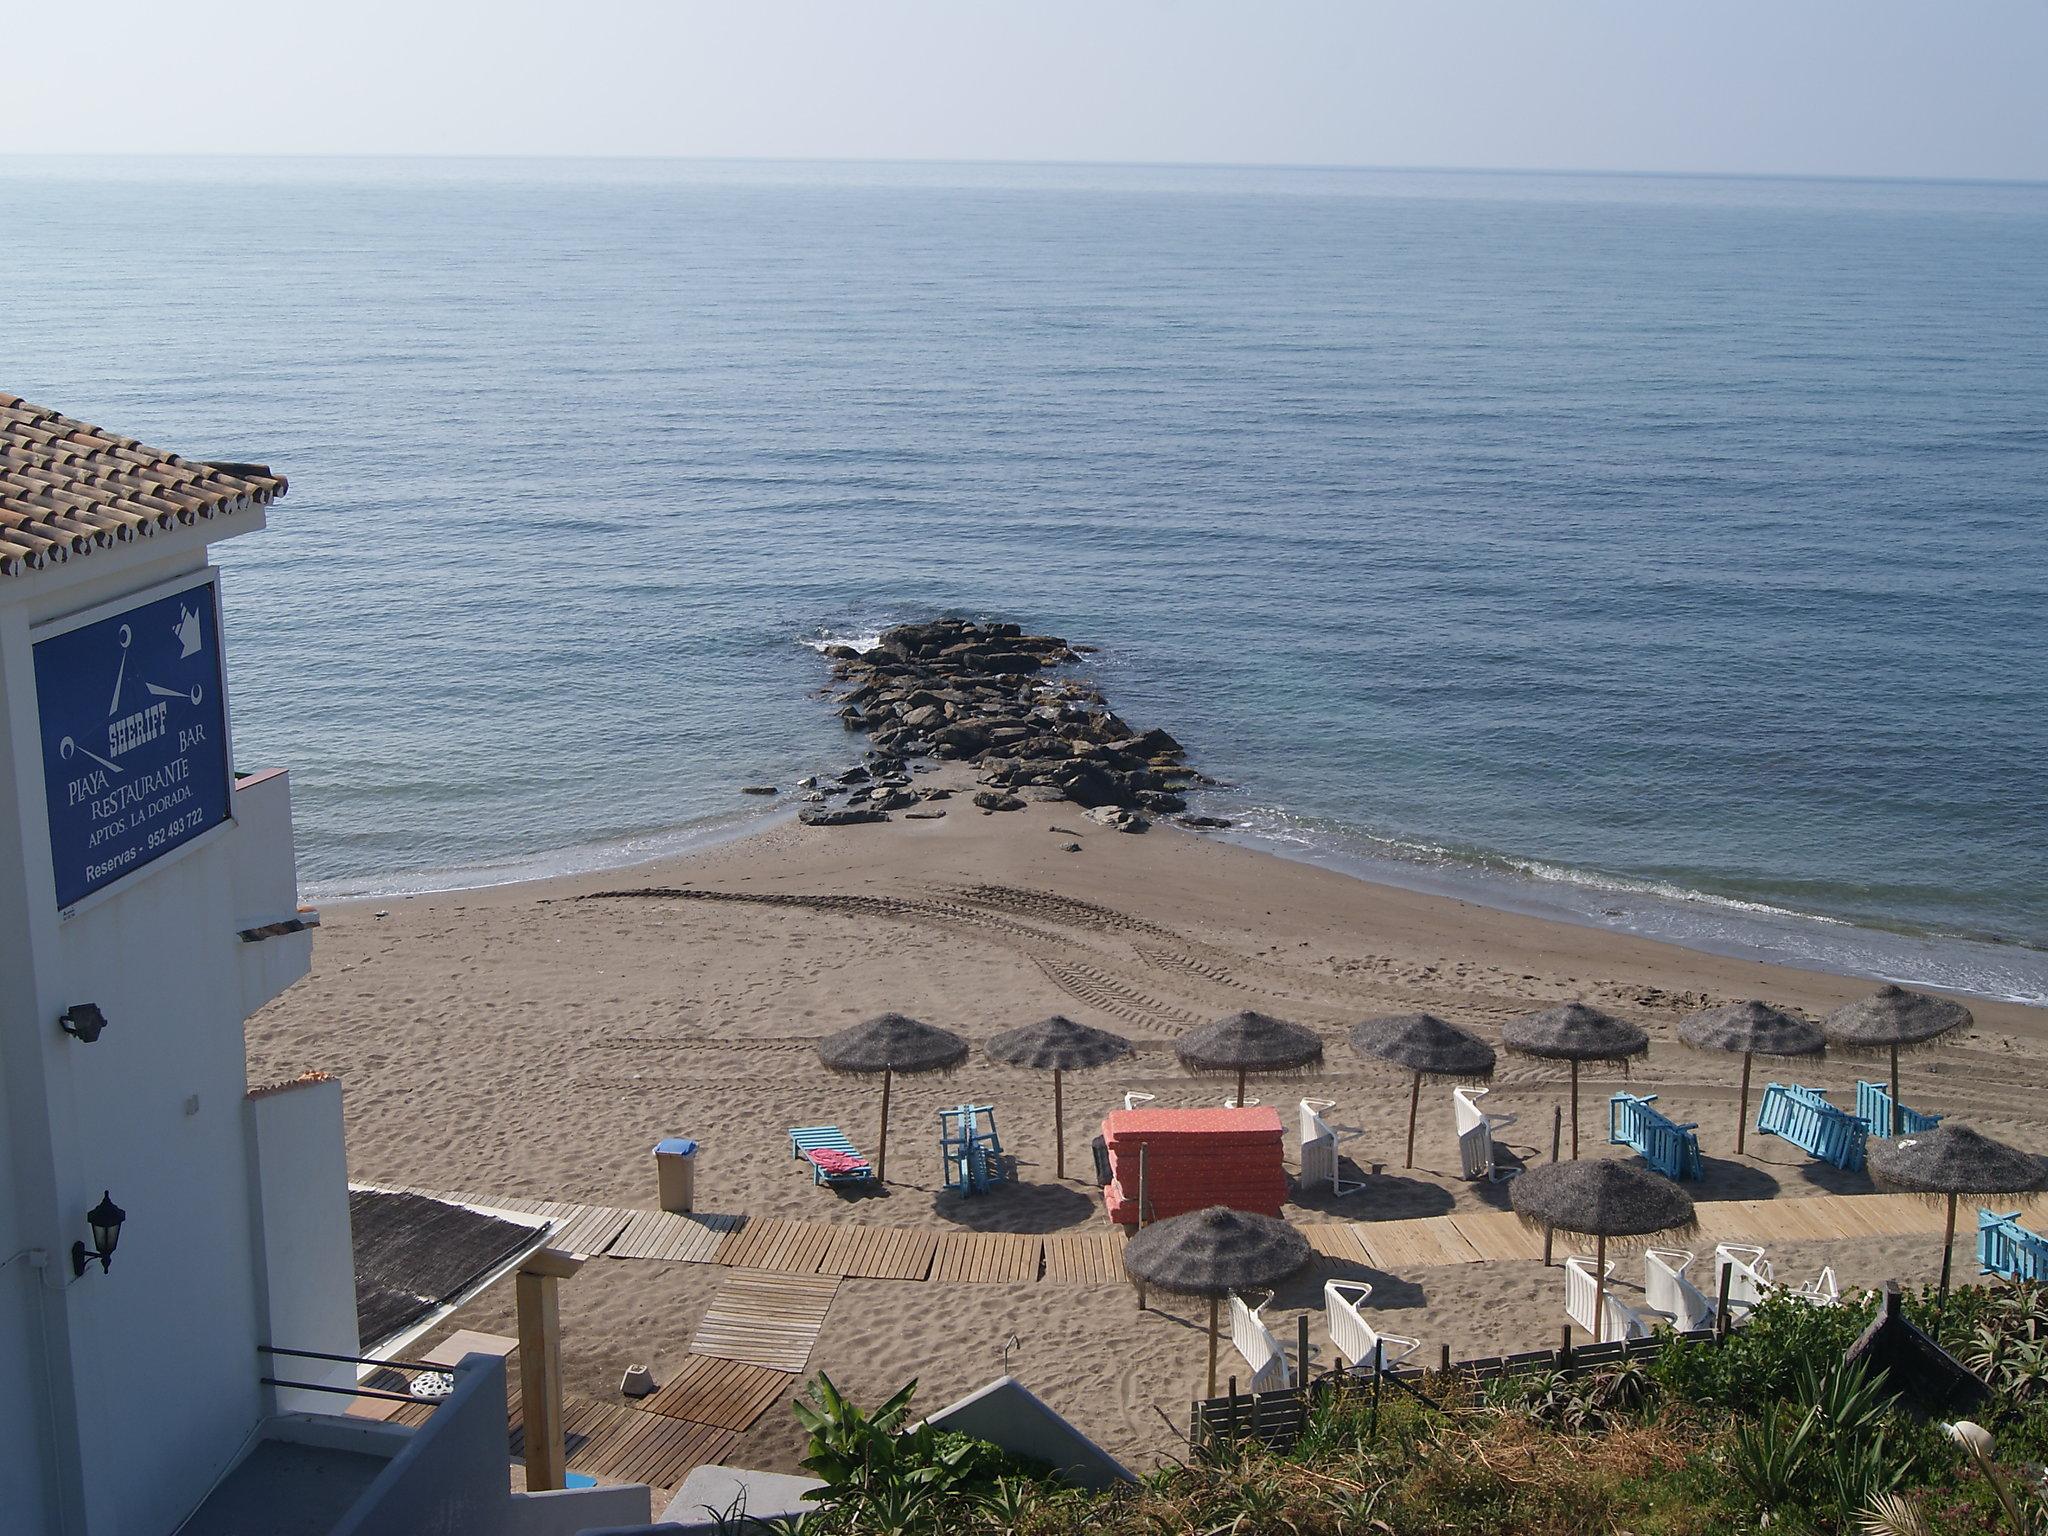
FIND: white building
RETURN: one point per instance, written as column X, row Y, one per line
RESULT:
column 147, row 892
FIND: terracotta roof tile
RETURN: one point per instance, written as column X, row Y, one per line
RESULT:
column 68, row 488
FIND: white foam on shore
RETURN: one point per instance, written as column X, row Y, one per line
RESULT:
column 1659, row 910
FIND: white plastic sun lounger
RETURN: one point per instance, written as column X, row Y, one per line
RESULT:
column 1668, row 1288
column 1321, row 1162
column 1618, row 1319
column 1751, row 1279
column 1255, row 1341
column 1356, row 1339
column 1475, row 1135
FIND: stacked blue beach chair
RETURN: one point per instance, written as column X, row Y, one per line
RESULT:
column 970, row 1153
column 1804, row 1117
column 1670, row 1148
column 2004, row 1247
column 1874, row 1109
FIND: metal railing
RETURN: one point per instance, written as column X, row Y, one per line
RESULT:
column 419, row 1366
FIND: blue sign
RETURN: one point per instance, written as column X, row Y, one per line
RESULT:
column 135, row 741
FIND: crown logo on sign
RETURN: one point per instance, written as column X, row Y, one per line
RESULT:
column 187, row 631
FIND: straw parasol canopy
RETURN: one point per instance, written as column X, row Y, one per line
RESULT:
column 1892, row 1017
column 890, row 1043
column 1428, row 1047
column 1954, row 1161
column 1754, row 1029
column 1602, row 1198
column 1058, row 1045
column 1212, row 1253
column 1249, row 1042
column 1576, row 1032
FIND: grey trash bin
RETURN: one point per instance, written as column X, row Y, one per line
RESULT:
column 675, row 1167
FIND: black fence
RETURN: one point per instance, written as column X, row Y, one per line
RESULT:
column 1280, row 1418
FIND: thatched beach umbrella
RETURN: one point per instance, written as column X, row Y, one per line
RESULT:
column 1212, row 1253
column 1754, row 1029
column 1889, row 1018
column 1576, row 1032
column 1954, row 1160
column 1058, row 1045
column 1428, row 1047
column 1602, row 1198
column 890, row 1043
column 1249, row 1042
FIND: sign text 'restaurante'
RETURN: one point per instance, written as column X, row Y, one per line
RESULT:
column 134, row 737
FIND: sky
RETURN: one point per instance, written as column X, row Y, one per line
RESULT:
column 1788, row 87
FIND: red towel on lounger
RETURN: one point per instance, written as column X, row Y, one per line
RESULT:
column 837, row 1162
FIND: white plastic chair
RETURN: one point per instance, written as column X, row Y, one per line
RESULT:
column 1751, row 1279
column 1255, row 1341
column 1133, row 1100
column 1321, row 1162
column 1475, row 1135
column 1618, row 1320
column 1355, row 1338
column 1668, row 1289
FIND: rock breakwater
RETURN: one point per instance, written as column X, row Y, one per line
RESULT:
column 981, row 694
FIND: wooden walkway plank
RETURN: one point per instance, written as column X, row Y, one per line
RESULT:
column 677, row 1239
column 766, row 1318
column 986, row 1258
column 1414, row 1244
column 726, row 1394
column 1086, row 1258
column 1498, row 1235
column 1336, row 1240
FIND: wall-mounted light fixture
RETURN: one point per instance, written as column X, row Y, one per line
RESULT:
column 82, row 1021
column 105, row 1220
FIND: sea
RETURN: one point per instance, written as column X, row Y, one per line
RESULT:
column 1665, row 554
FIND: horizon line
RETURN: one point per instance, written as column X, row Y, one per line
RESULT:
column 1901, row 178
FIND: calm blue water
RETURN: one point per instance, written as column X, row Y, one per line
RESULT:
column 1664, row 552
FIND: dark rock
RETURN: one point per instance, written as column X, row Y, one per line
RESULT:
column 1071, row 848
column 893, row 799
column 757, row 789
column 936, row 792
column 922, row 815
column 995, row 800
column 850, row 816
column 1161, row 803
column 854, row 775
column 1200, row 822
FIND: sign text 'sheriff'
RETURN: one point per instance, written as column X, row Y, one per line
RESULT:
column 134, row 736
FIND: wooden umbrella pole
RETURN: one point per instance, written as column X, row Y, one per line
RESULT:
column 1212, row 1346
column 1414, row 1098
column 1898, row 1122
column 1575, row 1109
column 1948, row 1246
column 1600, row 1289
column 1059, row 1129
column 1240, row 1105
column 1742, row 1112
column 882, row 1141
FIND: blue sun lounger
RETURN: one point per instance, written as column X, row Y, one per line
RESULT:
column 827, row 1138
column 2006, row 1248
column 1874, row 1109
column 1804, row 1117
column 1670, row 1148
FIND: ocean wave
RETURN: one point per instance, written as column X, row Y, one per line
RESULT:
column 862, row 640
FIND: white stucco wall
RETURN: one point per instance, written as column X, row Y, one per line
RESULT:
column 308, row 1276
column 157, row 1386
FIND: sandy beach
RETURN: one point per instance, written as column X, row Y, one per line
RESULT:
column 535, row 1040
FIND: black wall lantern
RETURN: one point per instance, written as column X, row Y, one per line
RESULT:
column 105, row 1220
column 83, row 1021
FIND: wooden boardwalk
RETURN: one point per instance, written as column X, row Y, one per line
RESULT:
column 766, row 1318
column 1094, row 1255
